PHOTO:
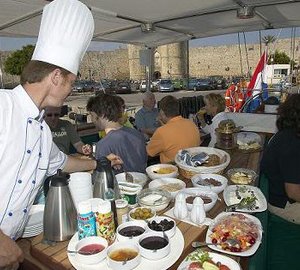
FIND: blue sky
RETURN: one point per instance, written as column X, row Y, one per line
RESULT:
column 7, row 44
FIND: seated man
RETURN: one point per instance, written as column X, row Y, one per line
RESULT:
column 64, row 134
column 128, row 143
column 175, row 134
column 146, row 118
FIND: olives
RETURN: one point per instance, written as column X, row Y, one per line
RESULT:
column 142, row 213
column 163, row 225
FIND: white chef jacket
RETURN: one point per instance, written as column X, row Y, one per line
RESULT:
column 211, row 129
column 27, row 155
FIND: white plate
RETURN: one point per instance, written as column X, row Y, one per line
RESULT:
column 35, row 216
column 246, row 253
column 176, row 242
column 230, row 197
column 230, row 263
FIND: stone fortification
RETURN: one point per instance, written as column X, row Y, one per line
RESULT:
column 170, row 61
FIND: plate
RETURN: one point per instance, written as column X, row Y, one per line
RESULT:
column 230, row 263
column 176, row 242
column 245, row 253
column 35, row 216
column 231, row 192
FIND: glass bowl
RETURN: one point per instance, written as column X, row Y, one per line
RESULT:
column 242, row 176
column 156, row 199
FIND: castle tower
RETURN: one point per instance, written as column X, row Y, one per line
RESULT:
column 137, row 71
column 171, row 60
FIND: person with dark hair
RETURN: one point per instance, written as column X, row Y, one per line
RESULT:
column 128, row 143
column 280, row 162
column 175, row 133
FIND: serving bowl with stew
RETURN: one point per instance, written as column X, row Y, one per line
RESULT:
column 131, row 230
column 209, row 181
column 156, row 199
column 143, row 213
column 209, row 197
column 162, row 170
column 91, row 250
column 154, row 245
column 123, row 255
column 172, row 185
column 163, row 223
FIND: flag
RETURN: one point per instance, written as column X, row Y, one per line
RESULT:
column 258, row 79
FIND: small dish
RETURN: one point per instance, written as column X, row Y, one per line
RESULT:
column 131, row 230
column 209, row 181
column 93, row 244
column 142, row 213
column 163, row 223
column 156, row 199
column 162, row 170
column 138, row 178
column 242, row 176
column 123, row 255
column 172, row 185
column 154, row 246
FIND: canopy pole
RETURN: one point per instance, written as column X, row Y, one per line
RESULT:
column 247, row 59
column 240, row 51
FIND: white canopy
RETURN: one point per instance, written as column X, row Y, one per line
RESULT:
column 152, row 23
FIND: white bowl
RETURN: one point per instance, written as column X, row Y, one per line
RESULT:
column 138, row 178
column 154, row 254
column 200, row 192
column 171, row 232
column 162, row 183
column 151, row 171
column 130, row 264
column 156, row 199
column 134, row 209
column 93, row 258
column 198, row 178
column 138, row 223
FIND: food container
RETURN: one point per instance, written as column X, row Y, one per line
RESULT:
column 138, row 178
column 209, row 181
column 172, row 185
column 154, row 246
column 163, row 223
column 242, row 176
column 162, row 170
column 227, row 134
column 156, row 199
column 131, row 230
column 142, row 213
column 123, row 255
column 90, row 244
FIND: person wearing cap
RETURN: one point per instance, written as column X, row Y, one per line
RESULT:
column 63, row 133
column 27, row 151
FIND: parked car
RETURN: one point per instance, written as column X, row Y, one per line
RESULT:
column 143, row 86
column 192, row 84
column 165, row 86
column 123, row 88
column 78, row 86
column 219, row 82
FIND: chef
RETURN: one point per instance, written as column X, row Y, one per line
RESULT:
column 27, row 153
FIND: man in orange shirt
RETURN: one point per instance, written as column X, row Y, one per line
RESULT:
column 175, row 133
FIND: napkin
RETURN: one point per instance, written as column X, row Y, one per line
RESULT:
column 193, row 160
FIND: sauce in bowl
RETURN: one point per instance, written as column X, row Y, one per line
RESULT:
column 132, row 231
column 154, row 242
column 91, row 249
column 123, row 254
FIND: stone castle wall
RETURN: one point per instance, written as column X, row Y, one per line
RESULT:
column 170, row 61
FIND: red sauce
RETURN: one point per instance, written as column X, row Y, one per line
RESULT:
column 91, row 249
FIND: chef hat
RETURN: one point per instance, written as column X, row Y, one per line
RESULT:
column 66, row 31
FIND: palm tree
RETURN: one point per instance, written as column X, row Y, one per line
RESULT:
column 268, row 39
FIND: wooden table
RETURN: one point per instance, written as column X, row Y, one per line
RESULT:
column 56, row 257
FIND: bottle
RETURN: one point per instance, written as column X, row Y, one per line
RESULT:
column 122, row 210
column 86, row 221
column 105, row 222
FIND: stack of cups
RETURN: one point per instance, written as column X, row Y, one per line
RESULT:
column 80, row 187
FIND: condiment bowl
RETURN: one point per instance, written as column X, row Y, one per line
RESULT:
column 154, row 245
column 172, row 185
column 217, row 185
column 158, row 224
column 156, row 199
column 138, row 178
column 162, row 170
column 123, row 250
column 131, row 230
column 92, row 241
column 142, row 217
column 241, row 176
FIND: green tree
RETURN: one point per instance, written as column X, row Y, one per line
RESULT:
column 15, row 63
column 279, row 58
column 269, row 39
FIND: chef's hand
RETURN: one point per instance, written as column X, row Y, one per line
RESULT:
column 10, row 253
column 115, row 160
column 87, row 149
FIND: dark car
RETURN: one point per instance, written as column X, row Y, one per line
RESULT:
column 203, row 84
column 123, row 88
column 219, row 82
